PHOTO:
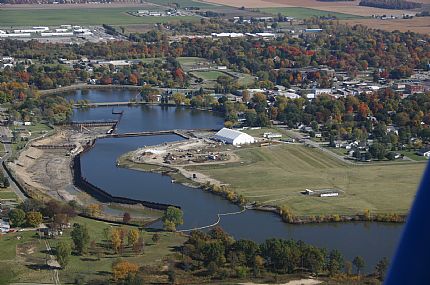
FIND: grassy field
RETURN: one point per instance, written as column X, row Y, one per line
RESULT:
column 259, row 132
column 25, row 266
column 303, row 13
column 96, row 16
column 183, row 3
column 208, row 75
column 246, row 79
column 6, row 194
column 276, row 175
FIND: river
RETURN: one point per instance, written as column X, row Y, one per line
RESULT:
column 372, row 241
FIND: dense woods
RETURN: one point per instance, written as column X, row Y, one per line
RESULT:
column 391, row 4
column 218, row 255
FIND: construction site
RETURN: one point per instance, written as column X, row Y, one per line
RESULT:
column 44, row 165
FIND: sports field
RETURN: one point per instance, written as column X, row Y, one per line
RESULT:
column 208, row 75
column 276, row 175
column 303, row 13
column 96, row 16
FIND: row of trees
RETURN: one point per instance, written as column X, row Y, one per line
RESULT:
column 31, row 213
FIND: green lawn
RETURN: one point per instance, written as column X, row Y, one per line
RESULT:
column 303, row 13
column 96, row 16
column 276, row 175
column 413, row 155
column 245, row 79
column 25, row 265
column 258, row 133
column 8, row 195
column 209, row 75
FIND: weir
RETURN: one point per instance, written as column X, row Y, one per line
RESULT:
column 182, row 133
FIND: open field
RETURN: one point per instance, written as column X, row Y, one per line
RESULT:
column 209, row 75
column 50, row 17
column 8, row 195
column 183, row 3
column 276, row 175
column 347, row 7
column 28, row 266
column 416, row 24
column 303, row 13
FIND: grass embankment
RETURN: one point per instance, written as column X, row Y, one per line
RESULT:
column 304, row 13
column 28, row 264
column 276, row 175
column 95, row 16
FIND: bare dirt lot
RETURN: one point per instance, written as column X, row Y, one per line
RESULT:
column 48, row 170
column 417, row 25
column 349, row 7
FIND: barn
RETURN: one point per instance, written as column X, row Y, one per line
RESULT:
column 233, row 137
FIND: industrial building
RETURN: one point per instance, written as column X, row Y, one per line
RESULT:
column 233, row 137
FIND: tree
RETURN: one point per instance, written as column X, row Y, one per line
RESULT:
column 172, row 218
column 17, row 217
column 155, row 237
column 377, row 150
column 214, row 252
column 80, row 238
column 381, row 268
column 126, row 217
column 34, row 219
column 133, row 236
column 116, row 239
column 63, row 253
column 139, row 245
column 121, row 269
column 179, row 98
column 358, row 263
column 348, row 267
column 95, row 209
column 335, row 262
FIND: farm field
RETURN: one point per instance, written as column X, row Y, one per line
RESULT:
column 303, row 13
column 416, row 24
column 208, row 75
column 99, row 16
column 347, row 7
column 25, row 262
column 276, row 175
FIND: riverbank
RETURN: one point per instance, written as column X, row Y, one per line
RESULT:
column 85, row 86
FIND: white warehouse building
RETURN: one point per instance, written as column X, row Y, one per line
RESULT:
column 233, row 137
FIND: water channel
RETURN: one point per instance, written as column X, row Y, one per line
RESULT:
column 370, row 240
